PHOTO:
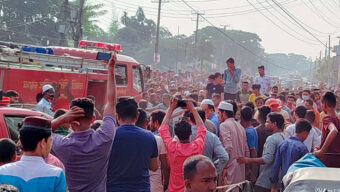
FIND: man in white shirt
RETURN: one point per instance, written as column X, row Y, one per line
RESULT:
column 313, row 139
column 44, row 104
column 159, row 179
column 263, row 80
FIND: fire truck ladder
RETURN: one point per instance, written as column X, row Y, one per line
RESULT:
column 22, row 58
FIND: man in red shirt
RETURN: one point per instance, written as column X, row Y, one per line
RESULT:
column 329, row 151
column 179, row 151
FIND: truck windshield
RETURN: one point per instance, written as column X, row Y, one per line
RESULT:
column 12, row 124
column 121, row 77
column 137, row 81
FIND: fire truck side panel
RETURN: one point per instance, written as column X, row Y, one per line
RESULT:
column 68, row 85
column 28, row 83
column 3, row 127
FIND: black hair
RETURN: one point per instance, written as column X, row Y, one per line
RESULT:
column 194, row 97
column 310, row 116
column 141, row 118
column 256, row 86
column 183, row 130
column 189, row 165
column 260, row 98
column 200, row 112
column 96, row 124
column 310, row 102
column 127, row 108
column 86, row 104
column 260, row 67
column 93, row 98
column 179, row 97
column 211, row 107
column 291, row 97
column 157, row 115
column 230, row 60
column 282, row 98
column 234, row 105
column 308, row 91
column 11, row 93
column 211, row 77
column 143, row 104
column 217, row 74
column 302, row 125
column 218, row 96
column 275, row 86
column 301, row 111
column 276, row 118
column 229, row 114
column 263, row 112
column 7, row 150
column 251, row 105
column 38, row 97
column 59, row 113
column 246, row 113
column 30, row 138
column 329, row 99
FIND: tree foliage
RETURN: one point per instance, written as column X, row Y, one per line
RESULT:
column 32, row 22
column 37, row 22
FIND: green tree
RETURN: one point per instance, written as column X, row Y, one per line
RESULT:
column 32, row 22
column 113, row 29
column 90, row 15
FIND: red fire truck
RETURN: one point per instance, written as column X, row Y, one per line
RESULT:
column 72, row 72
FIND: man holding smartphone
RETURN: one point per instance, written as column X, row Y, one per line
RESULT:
column 179, row 151
column 231, row 77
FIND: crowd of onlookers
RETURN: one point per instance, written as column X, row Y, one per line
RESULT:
column 189, row 132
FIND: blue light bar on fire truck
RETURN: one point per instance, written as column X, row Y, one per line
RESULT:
column 100, row 45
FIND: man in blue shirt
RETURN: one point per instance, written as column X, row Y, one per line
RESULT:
column 252, row 140
column 290, row 150
column 231, row 78
column 208, row 106
column 32, row 173
column 134, row 152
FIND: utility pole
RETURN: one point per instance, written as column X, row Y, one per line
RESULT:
column 329, row 46
column 156, row 54
column 78, row 31
column 196, row 33
column 326, row 51
column 177, row 48
column 63, row 26
column 223, row 44
column 196, row 36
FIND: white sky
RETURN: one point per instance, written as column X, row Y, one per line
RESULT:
column 320, row 17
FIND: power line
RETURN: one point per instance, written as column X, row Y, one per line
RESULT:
column 279, row 25
column 278, row 11
column 299, row 21
column 233, row 40
column 177, row 11
column 318, row 13
column 284, row 10
column 330, row 10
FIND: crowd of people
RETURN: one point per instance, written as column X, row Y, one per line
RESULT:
column 189, row 132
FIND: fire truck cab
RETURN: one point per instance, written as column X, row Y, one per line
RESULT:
column 72, row 72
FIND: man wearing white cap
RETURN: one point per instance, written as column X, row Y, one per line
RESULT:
column 44, row 104
column 234, row 141
column 208, row 106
